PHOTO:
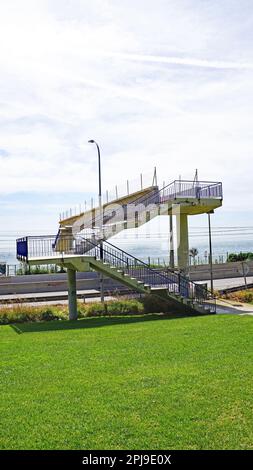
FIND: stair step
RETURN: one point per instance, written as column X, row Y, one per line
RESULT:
column 178, row 296
column 163, row 284
column 187, row 301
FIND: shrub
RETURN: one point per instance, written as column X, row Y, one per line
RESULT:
column 24, row 313
column 94, row 309
column 21, row 313
column 241, row 296
column 248, row 297
column 154, row 304
column 124, row 307
column 113, row 307
column 39, row 269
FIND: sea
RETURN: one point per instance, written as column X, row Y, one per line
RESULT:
column 153, row 250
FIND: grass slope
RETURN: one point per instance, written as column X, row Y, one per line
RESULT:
column 128, row 383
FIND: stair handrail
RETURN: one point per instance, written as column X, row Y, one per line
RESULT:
column 146, row 198
column 178, row 277
column 182, row 277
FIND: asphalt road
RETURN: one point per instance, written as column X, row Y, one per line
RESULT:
column 220, row 284
column 41, row 288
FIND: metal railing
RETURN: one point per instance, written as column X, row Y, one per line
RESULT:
column 178, row 189
column 38, row 247
column 175, row 283
column 44, row 246
column 192, row 189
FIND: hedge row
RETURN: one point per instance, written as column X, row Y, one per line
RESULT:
column 241, row 296
column 25, row 313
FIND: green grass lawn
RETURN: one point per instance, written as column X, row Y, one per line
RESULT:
column 129, row 383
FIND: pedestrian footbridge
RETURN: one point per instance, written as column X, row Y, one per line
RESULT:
column 82, row 243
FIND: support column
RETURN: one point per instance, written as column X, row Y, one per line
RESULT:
column 72, row 294
column 182, row 242
column 172, row 258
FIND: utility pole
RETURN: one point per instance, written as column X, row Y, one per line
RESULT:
column 100, row 218
column 245, row 270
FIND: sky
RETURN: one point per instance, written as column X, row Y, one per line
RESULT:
column 165, row 83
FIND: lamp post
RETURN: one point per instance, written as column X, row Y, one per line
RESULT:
column 210, row 249
column 100, row 216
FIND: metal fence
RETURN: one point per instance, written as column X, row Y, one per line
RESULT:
column 191, row 189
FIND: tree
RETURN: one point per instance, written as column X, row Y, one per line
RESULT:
column 240, row 256
column 193, row 253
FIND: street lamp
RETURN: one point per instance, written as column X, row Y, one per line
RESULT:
column 100, row 216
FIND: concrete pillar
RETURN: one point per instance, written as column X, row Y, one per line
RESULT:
column 182, row 242
column 172, row 258
column 72, row 294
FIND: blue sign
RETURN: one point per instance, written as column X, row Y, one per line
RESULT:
column 22, row 248
column 2, row 269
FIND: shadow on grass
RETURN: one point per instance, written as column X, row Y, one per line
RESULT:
column 91, row 322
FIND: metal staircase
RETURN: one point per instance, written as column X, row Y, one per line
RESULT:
column 84, row 254
column 78, row 243
column 129, row 270
column 137, row 209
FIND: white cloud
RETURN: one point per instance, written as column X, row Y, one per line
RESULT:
column 186, row 61
column 156, row 83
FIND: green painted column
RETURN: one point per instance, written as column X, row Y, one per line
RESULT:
column 72, row 294
column 172, row 257
column 182, row 242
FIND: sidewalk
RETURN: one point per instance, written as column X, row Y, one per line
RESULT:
column 233, row 307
